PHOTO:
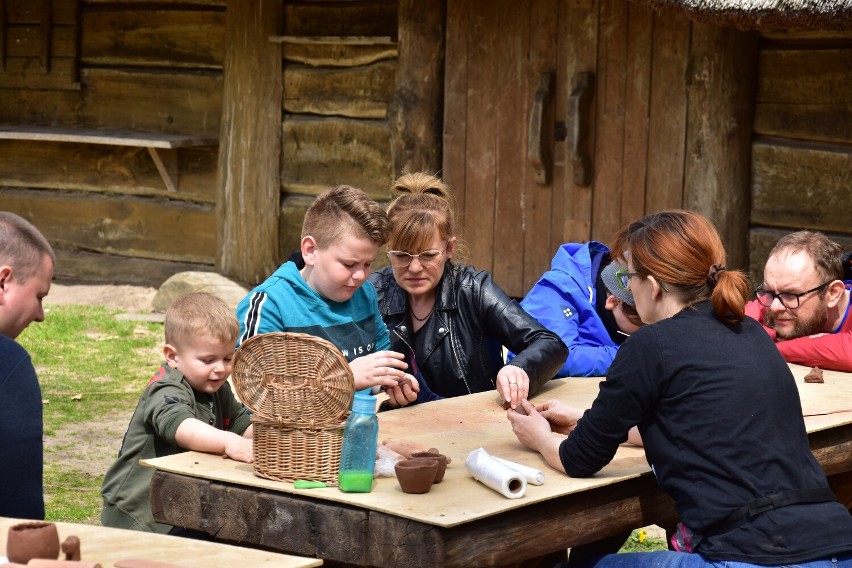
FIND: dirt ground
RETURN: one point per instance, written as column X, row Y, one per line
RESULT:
column 120, row 297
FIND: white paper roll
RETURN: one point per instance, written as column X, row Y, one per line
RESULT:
column 491, row 473
column 533, row 475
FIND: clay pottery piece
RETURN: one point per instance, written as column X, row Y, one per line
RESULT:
column 71, row 548
column 416, row 476
column 26, row 541
column 442, row 462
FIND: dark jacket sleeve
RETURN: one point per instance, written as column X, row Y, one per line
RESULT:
column 538, row 350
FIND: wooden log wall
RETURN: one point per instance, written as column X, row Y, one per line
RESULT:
column 143, row 66
column 339, row 72
column 801, row 175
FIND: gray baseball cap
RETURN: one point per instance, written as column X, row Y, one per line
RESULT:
column 610, row 280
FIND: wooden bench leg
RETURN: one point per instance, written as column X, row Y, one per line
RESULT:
column 167, row 166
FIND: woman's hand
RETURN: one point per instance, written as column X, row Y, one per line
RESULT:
column 562, row 417
column 513, row 384
column 530, row 428
column 382, row 368
column 535, row 432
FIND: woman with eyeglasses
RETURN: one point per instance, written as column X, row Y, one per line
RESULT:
column 717, row 408
column 451, row 320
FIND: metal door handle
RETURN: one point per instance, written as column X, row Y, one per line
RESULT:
column 537, row 145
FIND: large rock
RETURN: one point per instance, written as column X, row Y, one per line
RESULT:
column 185, row 282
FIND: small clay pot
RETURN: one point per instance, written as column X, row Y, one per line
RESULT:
column 416, row 475
column 26, row 541
column 442, row 462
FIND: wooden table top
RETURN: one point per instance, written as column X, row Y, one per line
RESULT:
column 459, row 425
column 107, row 546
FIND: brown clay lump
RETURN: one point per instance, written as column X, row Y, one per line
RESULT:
column 814, row 376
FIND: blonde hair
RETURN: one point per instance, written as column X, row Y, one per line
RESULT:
column 423, row 203
column 24, row 247
column 200, row 314
column 344, row 210
column 682, row 248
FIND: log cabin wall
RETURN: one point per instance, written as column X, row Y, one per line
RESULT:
column 801, row 174
column 339, row 72
column 154, row 67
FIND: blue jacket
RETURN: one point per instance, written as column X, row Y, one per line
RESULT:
column 563, row 300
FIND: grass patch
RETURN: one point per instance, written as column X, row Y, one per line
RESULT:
column 92, row 368
column 639, row 541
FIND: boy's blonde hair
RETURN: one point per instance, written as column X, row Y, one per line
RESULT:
column 343, row 211
column 200, row 314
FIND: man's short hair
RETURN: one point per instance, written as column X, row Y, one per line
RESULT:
column 825, row 253
column 343, row 211
column 200, row 314
column 24, row 247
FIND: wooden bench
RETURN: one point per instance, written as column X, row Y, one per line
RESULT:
column 115, row 137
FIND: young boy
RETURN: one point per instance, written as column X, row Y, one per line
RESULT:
column 187, row 405
column 580, row 299
column 330, row 297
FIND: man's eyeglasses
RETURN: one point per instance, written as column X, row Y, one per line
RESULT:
column 401, row 259
column 623, row 277
column 788, row 299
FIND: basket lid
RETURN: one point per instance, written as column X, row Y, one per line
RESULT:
column 296, row 376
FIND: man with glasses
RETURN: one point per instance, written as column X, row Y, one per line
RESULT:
column 803, row 302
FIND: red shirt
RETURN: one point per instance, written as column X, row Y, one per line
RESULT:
column 831, row 351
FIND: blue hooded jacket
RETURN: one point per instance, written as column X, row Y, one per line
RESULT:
column 563, row 300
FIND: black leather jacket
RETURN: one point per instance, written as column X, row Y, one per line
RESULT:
column 473, row 318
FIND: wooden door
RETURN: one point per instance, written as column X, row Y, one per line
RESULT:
column 629, row 158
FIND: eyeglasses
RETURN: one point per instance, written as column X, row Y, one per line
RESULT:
column 401, row 259
column 623, row 277
column 788, row 299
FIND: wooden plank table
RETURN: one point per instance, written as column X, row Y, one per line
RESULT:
column 460, row 522
column 107, row 546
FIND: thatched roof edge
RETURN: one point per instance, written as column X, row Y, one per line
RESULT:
column 764, row 15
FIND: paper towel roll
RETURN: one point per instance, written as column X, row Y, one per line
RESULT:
column 533, row 475
column 499, row 477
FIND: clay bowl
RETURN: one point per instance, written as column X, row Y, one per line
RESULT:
column 416, row 475
column 442, row 462
column 26, row 541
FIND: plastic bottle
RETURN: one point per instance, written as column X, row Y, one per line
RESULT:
column 358, row 455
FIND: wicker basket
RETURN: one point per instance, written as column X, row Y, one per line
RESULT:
column 295, row 377
column 286, row 452
column 300, row 388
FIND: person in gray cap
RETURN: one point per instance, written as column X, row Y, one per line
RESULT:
column 582, row 300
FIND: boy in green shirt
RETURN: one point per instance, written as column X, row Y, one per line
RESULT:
column 187, row 405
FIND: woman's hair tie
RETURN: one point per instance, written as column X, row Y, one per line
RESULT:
column 713, row 274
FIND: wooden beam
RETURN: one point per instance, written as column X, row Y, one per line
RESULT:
column 248, row 176
column 2, row 35
column 416, row 113
column 720, row 91
column 46, row 29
